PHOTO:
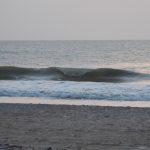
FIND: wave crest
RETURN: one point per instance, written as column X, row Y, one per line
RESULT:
column 68, row 74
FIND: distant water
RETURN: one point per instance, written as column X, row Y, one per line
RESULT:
column 101, row 70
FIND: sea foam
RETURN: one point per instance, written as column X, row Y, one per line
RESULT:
column 76, row 90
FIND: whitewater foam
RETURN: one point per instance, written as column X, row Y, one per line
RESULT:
column 76, row 90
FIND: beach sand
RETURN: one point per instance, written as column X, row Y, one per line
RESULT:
column 62, row 127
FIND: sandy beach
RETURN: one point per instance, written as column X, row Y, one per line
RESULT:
column 62, row 127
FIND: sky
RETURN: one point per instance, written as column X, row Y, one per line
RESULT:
column 74, row 19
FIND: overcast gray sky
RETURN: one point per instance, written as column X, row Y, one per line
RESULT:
column 74, row 19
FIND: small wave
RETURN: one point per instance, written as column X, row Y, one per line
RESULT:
column 69, row 74
column 16, row 73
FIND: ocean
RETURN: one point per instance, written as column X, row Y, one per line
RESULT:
column 79, row 70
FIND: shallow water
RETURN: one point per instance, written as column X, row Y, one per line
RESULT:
column 47, row 101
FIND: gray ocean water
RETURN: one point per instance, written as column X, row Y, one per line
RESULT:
column 112, row 70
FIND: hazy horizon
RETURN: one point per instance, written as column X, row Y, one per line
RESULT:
column 74, row 20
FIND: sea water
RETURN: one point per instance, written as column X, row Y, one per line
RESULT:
column 80, row 70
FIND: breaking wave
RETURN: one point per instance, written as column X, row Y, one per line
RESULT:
column 70, row 74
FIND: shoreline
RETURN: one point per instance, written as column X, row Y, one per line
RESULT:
column 76, row 102
column 59, row 127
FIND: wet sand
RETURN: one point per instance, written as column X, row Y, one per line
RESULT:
column 64, row 127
